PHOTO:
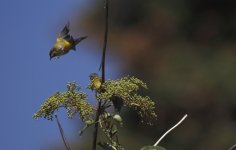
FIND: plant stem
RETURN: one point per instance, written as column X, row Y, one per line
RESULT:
column 62, row 134
column 95, row 134
column 170, row 130
column 232, row 147
column 96, row 126
column 105, row 42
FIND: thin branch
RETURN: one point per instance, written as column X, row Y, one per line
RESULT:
column 105, row 42
column 96, row 126
column 170, row 130
column 62, row 134
column 103, row 75
column 232, row 147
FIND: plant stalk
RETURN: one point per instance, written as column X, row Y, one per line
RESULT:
column 95, row 134
column 62, row 134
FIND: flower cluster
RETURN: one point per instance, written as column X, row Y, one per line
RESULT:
column 73, row 100
column 126, row 89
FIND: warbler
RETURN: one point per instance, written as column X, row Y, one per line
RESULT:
column 96, row 81
column 64, row 43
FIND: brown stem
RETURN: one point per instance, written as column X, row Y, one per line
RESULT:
column 105, row 42
column 62, row 134
column 96, row 126
column 95, row 134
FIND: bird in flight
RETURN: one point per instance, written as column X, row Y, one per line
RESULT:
column 64, row 43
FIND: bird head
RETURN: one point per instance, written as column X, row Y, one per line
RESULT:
column 53, row 53
column 93, row 75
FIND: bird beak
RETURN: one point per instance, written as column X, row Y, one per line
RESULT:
column 50, row 54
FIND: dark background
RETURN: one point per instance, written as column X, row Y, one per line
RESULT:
column 186, row 51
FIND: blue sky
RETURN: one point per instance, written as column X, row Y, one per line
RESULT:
column 28, row 30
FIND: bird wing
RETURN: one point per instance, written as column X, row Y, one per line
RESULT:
column 65, row 31
column 69, row 38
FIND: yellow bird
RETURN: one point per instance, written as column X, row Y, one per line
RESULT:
column 64, row 43
column 96, row 81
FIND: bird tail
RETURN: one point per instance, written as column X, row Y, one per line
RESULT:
column 78, row 40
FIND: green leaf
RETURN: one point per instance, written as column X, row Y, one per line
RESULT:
column 117, row 118
column 152, row 148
